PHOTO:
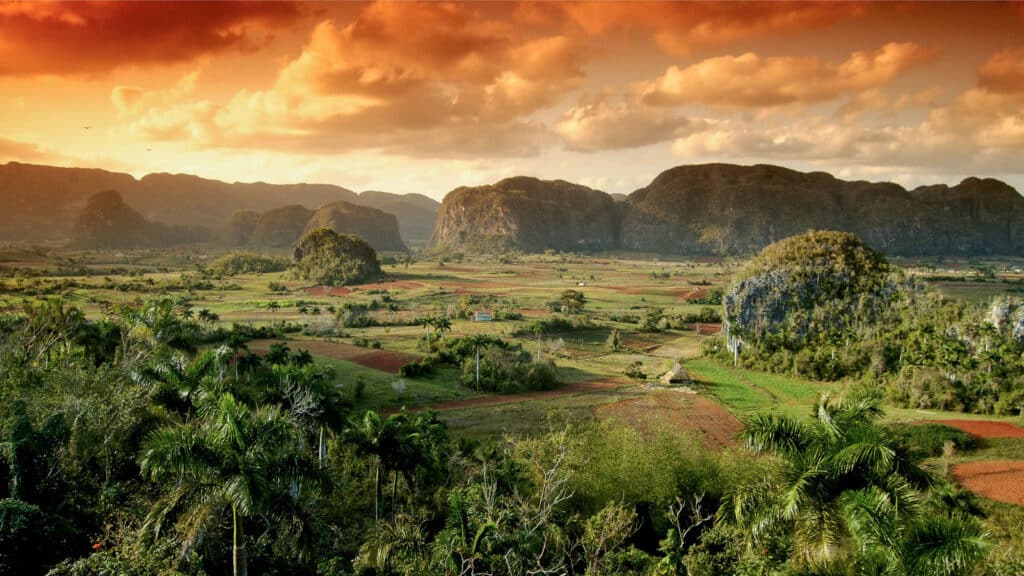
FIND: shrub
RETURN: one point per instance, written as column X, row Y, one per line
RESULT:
column 928, row 438
column 247, row 263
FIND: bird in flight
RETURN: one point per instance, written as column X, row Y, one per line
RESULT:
column 86, row 127
column 148, row 149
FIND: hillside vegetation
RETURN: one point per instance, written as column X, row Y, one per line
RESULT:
column 826, row 306
column 327, row 258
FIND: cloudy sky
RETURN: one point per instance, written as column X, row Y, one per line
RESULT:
column 424, row 97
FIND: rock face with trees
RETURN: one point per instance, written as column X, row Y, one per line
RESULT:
column 825, row 306
column 328, row 258
column 727, row 209
column 527, row 214
column 808, row 291
column 730, row 209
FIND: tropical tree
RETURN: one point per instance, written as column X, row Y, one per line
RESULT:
column 847, row 492
column 177, row 378
column 441, row 325
column 231, row 457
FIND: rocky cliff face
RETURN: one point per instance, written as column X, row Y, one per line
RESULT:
column 107, row 222
column 729, row 209
column 378, row 228
column 527, row 214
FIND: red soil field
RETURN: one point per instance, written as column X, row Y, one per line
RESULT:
column 694, row 294
column 984, row 428
column 678, row 411
column 383, row 360
column 705, row 328
column 1001, row 480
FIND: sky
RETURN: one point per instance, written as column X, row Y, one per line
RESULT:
column 425, row 97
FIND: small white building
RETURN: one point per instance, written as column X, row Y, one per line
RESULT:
column 483, row 316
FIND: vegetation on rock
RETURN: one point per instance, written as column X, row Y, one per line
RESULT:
column 327, row 258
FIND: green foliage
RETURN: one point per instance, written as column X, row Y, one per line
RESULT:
column 247, row 263
column 635, row 370
column 848, row 493
column 826, row 307
column 327, row 258
column 572, row 301
column 928, row 439
column 507, row 370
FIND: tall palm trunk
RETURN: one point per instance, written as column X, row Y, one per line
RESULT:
column 394, row 496
column 377, row 495
column 239, row 562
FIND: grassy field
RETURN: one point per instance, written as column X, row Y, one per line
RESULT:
column 618, row 288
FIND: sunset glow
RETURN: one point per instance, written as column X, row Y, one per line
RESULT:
column 425, row 97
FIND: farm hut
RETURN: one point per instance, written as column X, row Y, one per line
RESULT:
column 677, row 375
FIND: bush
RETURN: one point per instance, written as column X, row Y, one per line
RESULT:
column 247, row 263
column 508, row 370
column 416, row 369
column 928, row 439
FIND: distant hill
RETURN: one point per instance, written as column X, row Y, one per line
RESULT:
column 377, row 227
column 703, row 209
column 281, row 226
column 107, row 222
column 728, row 209
column 527, row 214
column 284, row 226
column 416, row 213
column 41, row 202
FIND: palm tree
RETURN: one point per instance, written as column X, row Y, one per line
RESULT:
column 368, row 435
column 249, row 363
column 441, row 325
column 279, row 353
column 847, row 491
column 273, row 306
column 231, row 457
column 178, row 378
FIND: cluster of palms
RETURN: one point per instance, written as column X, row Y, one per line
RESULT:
column 851, row 499
column 232, row 448
column 440, row 325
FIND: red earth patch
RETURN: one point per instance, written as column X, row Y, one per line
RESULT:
column 681, row 412
column 383, row 360
column 983, row 428
column 1001, row 480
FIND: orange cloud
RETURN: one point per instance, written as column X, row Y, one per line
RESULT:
column 751, row 81
column 97, row 37
column 1003, row 72
column 597, row 124
column 680, row 27
column 421, row 78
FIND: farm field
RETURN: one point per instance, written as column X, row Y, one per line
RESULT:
column 520, row 291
